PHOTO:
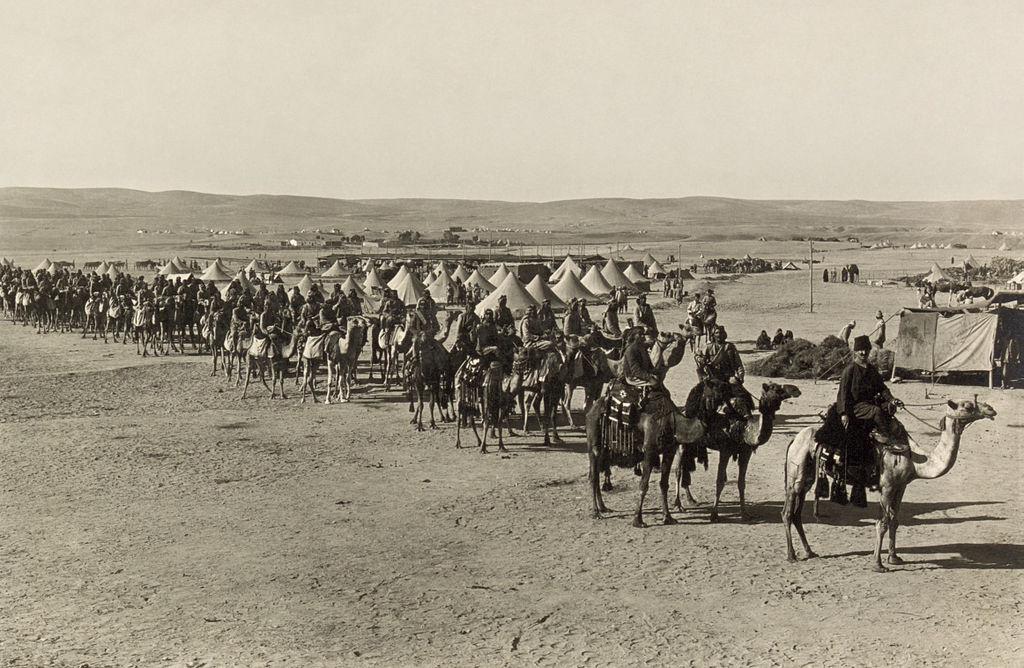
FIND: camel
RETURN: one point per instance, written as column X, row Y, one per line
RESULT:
column 544, row 379
column 342, row 357
column 95, row 316
column 662, row 427
column 755, row 433
column 314, row 351
column 427, row 362
column 896, row 471
column 142, row 325
column 276, row 359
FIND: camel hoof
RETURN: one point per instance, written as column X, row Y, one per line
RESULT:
column 811, row 554
column 714, row 518
column 895, row 560
column 412, row 421
column 433, row 426
column 502, row 448
column 606, row 487
column 558, row 439
column 596, row 515
column 669, row 520
column 879, row 568
column 639, row 523
column 791, row 558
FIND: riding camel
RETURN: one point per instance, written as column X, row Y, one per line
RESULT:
column 266, row 354
column 896, row 471
column 755, row 433
column 342, row 357
column 663, row 427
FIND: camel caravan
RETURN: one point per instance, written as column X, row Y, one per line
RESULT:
column 498, row 351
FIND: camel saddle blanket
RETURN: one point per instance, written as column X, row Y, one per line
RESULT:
column 621, row 432
column 315, row 347
column 262, row 347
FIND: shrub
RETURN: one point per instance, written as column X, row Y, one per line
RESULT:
column 800, row 358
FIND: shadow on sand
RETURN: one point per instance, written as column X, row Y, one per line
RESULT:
column 974, row 556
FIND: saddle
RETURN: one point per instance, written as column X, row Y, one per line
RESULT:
column 850, row 456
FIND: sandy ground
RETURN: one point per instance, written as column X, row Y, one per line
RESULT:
column 151, row 517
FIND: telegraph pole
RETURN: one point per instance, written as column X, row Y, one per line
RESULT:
column 810, row 270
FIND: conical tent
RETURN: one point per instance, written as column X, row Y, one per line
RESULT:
column 220, row 265
column 113, row 271
column 615, row 277
column 789, row 266
column 180, row 263
column 215, row 273
column 568, row 264
column 514, row 291
column 438, row 289
column 648, row 259
column 936, row 274
column 102, row 268
column 570, row 287
column 397, row 279
column 337, row 270
column 367, row 265
column 499, row 275
column 442, row 268
column 971, row 262
column 655, row 269
column 461, row 273
column 1003, row 247
column 52, row 269
column 431, row 276
column 476, row 279
column 257, row 267
column 291, row 269
column 540, row 290
column 305, row 285
column 172, row 269
column 634, row 275
column 410, row 290
column 43, row 266
column 350, row 284
column 373, row 281
column 596, row 282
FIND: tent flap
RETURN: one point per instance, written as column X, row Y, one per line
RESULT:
column 959, row 342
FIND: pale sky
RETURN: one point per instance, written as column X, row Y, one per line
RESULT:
column 517, row 100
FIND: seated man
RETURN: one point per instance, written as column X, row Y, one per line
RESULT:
column 861, row 395
column 637, row 368
column 530, row 327
column 720, row 369
column 763, row 341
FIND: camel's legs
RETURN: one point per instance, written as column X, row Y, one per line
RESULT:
column 792, row 509
column 741, row 481
column 883, row 525
column 666, row 472
column 894, row 524
column 645, row 479
column 723, row 466
column 595, row 479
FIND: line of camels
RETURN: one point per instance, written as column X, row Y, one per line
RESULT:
column 665, row 436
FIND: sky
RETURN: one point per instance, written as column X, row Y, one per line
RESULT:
column 517, row 100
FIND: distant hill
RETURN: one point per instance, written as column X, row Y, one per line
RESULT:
column 658, row 219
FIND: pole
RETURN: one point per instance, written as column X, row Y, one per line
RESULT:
column 810, row 261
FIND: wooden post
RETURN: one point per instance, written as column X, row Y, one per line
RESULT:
column 810, row 261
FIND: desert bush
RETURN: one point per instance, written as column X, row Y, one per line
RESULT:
column 800, row 358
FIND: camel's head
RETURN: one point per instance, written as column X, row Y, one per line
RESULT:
column 968, row 411
column 773, row 394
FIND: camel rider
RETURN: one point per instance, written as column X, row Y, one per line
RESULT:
column 584, row 313
column 296, row 300
column 487, row 338
column 469, row 322
column 643, row 314
column 530, row 328
column 503, row 317
column 862, row 394
column 259, row 300
column 422, row 321
column 719, row 365
column 239, row 322
column 695, row 311
column 307, row 314
column 270, row 324
column 637, row 368
column 326, row 320
column 573, row 323
column 341, row 307
column 547, row 317
column 354, row 302
column 429, row 308
column 610, row 320
column 710, row 307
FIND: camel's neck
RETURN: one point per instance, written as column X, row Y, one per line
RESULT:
column 759, row 429
column 942, row 458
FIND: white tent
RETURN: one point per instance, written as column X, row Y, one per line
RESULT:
column 215, row 273
column 291, row 269
column 337, row 270
column 173, row 269
column 113, row 271
column 461, row 273
column 52, row 269
column 596, row 282
column 1017, row 282
column 499, row 275
column 257, row 267
column 305, row 285
column 351, row 284
column 438, row 288
column 634, row 276
column 442, row 268
column 615, row 277
column 540, row 290
column 476, row 279
column 655, row 270
column 570, row 287
column 398, row 278
column 43, row 266
column 789, row 266
column 936, row 274
column 373, row 281
column 101, row 269
column 648, row 259
column 410, row 289
column 568, row 264
column 514, row 291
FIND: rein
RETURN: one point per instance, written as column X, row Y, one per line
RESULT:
column 927, row 424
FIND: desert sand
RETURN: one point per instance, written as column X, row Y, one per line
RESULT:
column 152, row 517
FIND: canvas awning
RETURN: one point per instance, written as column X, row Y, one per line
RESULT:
column 934, row 341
